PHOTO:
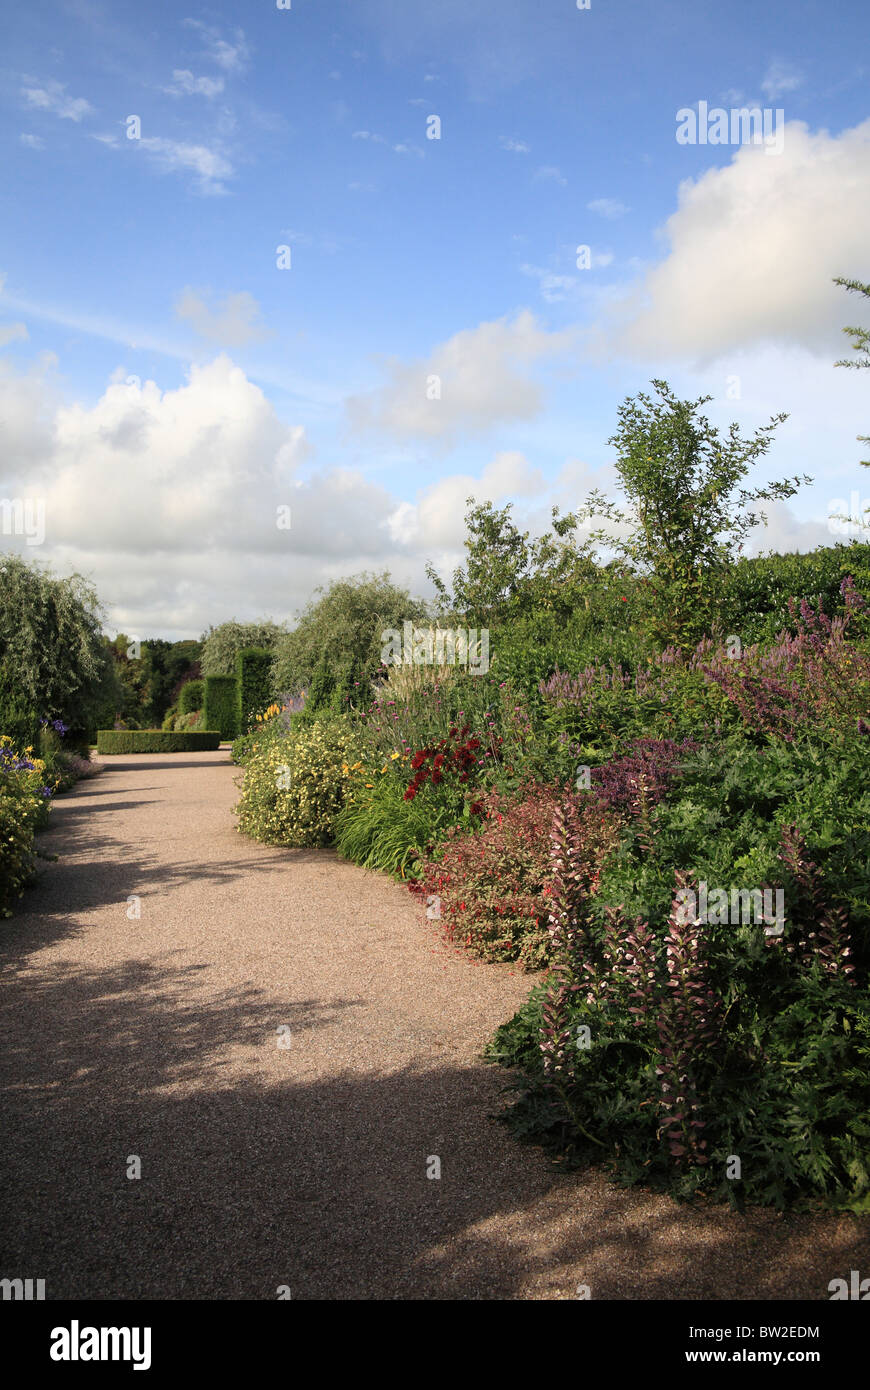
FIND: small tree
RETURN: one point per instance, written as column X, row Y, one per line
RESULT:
column 507, row 576
column 342, row 626
column 689, row 515
column 860, row 344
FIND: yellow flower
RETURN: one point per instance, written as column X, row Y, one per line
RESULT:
column 394, row 756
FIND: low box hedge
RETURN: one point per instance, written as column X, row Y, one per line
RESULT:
column 157, row 741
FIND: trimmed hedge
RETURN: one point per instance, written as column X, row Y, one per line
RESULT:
column 220, row 705
column 157, row 741
column 190, row 697
column 253, row 683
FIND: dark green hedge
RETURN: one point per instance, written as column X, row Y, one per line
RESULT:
column 190, row 697
column 220, row 705
column 253, row 683
column 157, row 741
column 754, row 600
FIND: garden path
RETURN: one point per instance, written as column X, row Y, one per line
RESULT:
column 297, row 1158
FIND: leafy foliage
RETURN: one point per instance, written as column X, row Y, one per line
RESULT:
column 688, row 509
column 53, row 660
column 342, row 629
column 220, row 705
column 221, row 645
column 24, row 794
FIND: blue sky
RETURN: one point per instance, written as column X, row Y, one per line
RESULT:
column 165, row 386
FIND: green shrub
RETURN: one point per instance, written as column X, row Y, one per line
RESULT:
column 254, row 683
column 220, row 705
column 293, row 786
column 24, row 809
column 157, row 741
column 169, row 718
column 190, row 697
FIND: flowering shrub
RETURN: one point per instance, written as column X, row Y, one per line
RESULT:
column 665, row 1045
column 815, row 678
column 494, row 888
column 24, row 804
column 293, row 786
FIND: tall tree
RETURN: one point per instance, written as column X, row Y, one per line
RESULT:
column 53, row 661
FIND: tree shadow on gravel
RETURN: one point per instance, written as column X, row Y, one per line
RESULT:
column 257, row 1173
column 71, row 885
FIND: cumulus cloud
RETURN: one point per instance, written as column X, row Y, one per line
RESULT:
column 33, row 142
column 231, row 325
column 51, row 96
column 754, row 247
column 437, row 519
column 515, row 146
column 168, row 499
column 472, row 381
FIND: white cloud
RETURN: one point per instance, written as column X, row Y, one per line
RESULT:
column 232, row 325
column 232, row 57
column 51, row 96
column 174, row 156
column 33, row 142
column 12, row 332
column 480, row 383
column 550, row 173
column 754, row 247
column 516, row 146
column 554, row 288
column 779, row 79
column 185, row 84
column 437, row 519
column 608, row 207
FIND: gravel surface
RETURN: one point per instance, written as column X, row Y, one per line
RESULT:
column 265, row 1164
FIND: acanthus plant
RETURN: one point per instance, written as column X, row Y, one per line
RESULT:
column 822, row 929
column 569, row 888
column 688, row 1024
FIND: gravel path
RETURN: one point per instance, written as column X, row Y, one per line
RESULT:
column 267, row 1165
